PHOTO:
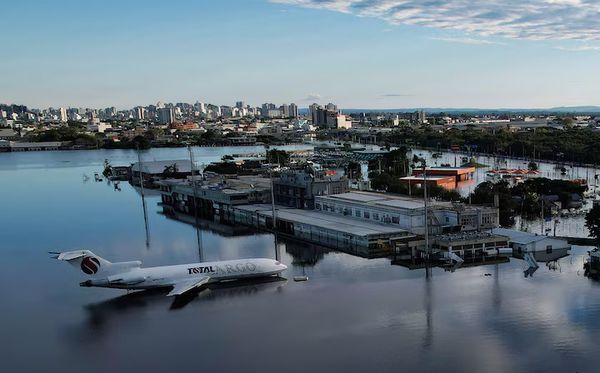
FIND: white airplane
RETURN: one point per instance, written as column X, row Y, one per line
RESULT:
column 182, row 278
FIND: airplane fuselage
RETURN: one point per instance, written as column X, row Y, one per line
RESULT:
column 153, row 277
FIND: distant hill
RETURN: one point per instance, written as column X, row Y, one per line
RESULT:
column 561, row 110
column 576, row 109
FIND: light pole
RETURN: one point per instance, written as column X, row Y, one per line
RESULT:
column 424, row 165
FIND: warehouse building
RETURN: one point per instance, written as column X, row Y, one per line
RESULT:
column 368, row 239
column 409, row 213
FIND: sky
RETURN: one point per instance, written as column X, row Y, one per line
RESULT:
column 370, row 54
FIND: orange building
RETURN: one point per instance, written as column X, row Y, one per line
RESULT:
column 458, row 173
column 447, row 182
column 184, row 126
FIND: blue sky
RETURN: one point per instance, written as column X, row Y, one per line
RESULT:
column 356, row 53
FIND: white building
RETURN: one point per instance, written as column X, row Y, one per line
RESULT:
column 138, row 113
column 62, row 114
column 525, row 242
column 343, row 122
column 98, row 127
column 201, row 107
column 409, row 213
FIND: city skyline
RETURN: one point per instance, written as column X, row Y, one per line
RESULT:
column 374, row 55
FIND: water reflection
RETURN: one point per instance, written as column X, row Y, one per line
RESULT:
column 546, row 169
column 225, row 230
column 545, row 256
column 567, row 226
column 428, row 336
column 103, row 317
column 302, row 253
column 305, row 254
column 387, row 316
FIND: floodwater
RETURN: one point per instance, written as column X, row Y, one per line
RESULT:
column 566, row 226
column 546, row 169
column 352, row 315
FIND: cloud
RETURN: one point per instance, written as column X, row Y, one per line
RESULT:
column 396, row 95
column 514, row 19
column 312, row 97
column 581, row 48
column 471, row 41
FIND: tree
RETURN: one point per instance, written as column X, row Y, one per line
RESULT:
column 484, row 194
column 532, row 166
column 354, row 170
column 567, row 122
column 170, row 170
column 228, row 168
column 592, row 222
column 280, row 157
column 141, row 142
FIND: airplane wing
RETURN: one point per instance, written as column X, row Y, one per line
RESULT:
column 187, row 285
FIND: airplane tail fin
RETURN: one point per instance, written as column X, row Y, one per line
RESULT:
column 84, row 261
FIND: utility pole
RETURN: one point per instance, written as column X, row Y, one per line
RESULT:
column 195, row 205
column 143, row 198
column 425, row 205
column 274, row 213
column 273, row 200
column 542, row 213
column 193, row 181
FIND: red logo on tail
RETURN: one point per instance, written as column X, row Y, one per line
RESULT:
column 90, row 265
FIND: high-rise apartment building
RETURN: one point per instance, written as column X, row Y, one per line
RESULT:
column 166, row 115
column 331, row 107
column 324, row 117
column 62, row 114
column 293, row 110
column 138, row 113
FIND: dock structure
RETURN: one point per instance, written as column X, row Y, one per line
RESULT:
column 22, row 146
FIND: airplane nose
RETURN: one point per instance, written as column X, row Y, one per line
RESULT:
column 283, row 267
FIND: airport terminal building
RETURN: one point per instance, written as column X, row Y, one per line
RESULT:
column 408, row 213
